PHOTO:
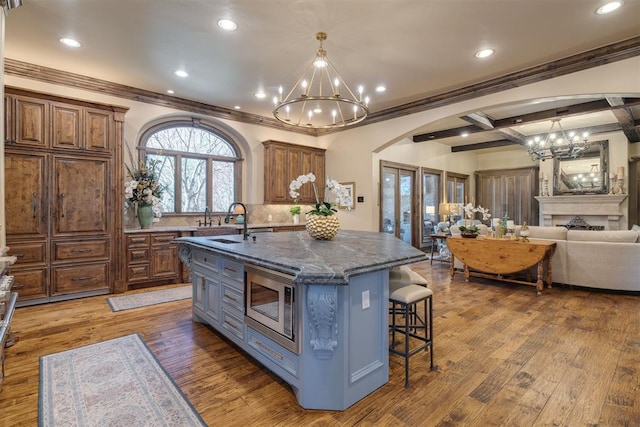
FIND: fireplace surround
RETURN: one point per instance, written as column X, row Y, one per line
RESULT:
column 608, row 210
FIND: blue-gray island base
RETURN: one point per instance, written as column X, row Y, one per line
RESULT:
column 341, row 306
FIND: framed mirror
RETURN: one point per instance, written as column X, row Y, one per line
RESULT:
column 588, row 174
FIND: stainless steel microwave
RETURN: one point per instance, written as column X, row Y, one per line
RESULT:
column 270, row 305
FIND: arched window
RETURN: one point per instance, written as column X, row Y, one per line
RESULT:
column 199, row 165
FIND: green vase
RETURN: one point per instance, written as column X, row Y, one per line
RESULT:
column 145, row 215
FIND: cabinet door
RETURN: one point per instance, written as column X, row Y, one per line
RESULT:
column 31, row 122
column 97, row 130
column 277, row 175
column 164, row 262
column 67, row 126
column 80, row 191
column 25, row 198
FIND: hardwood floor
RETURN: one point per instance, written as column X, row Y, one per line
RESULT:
column 506, row 357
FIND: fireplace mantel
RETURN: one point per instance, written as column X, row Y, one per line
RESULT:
column 597, row 209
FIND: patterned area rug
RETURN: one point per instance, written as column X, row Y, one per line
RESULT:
column 143, row 299
column 112, row 383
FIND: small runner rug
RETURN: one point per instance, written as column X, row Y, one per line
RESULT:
column 143, row 299
column 112, row 383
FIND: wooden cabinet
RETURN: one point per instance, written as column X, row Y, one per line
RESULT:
column 283, row 163
column 63, row 196
column 152, row 259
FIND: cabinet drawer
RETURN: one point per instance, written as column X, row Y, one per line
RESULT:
column 275, row 353
column 232, row 297
column 206, row 259
column 135, row 256
column 162, row 238
column 138, row 272
column 233, row 325
column 28, row 253
column 89, row 249
column 29, row 284
column 137, row 240
column 81, row 278
column 233, row 270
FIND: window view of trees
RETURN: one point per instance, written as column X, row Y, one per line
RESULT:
column 197, row 166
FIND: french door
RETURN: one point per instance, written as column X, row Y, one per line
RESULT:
column 398, row 201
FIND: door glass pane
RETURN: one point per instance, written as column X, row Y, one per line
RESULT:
column 194, row 185
column 406, row 204
column 459, row 192
column 430, row 203
column 389, row 182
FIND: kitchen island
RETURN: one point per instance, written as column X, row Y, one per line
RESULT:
column 340, row 350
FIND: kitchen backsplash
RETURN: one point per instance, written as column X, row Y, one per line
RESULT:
column 258, row 214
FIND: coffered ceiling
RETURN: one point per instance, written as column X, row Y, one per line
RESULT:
column 422, row 51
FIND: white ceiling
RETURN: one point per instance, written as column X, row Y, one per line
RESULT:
column 416, row 48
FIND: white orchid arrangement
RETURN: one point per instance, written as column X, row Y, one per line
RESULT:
column 469, row 211
column 325, row 208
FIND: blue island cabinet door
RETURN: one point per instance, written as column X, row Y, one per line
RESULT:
column 345, row 340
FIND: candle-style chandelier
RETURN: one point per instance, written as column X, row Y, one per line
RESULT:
column 321, row 98
column 558, row 145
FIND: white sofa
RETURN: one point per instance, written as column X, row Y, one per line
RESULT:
column 594, row 259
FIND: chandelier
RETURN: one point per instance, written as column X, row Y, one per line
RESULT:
column 560, row 146
column 321, row 98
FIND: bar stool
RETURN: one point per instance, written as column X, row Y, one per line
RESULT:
column 405, row 299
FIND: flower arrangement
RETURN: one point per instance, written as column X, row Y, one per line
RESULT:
column 324, row 208
column 469, row 211
column 144, row 187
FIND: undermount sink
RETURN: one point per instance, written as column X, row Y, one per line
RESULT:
column 222, row 240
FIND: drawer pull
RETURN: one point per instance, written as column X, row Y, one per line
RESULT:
column 80, row 278
column 269, row 350
column 18, row 255
column 229, row 297
column 230, row 269
column 137, row 256
column 80, row 250
column 17, row 286
column 164, row 239
column 231, row 325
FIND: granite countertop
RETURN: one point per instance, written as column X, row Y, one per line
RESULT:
column 313, row 261
column 169, row 228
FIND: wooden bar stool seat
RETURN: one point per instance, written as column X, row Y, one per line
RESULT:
column 404, row 298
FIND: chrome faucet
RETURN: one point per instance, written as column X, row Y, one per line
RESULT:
column 246, row 217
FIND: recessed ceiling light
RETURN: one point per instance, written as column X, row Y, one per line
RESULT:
column 484, row 53
column 70, row 42
column 170, row 92
column 181, row 73
column 464, row 134
column 237, row 107
column 609, row 7
column 380, row 88
column 227, row 25
column 260, row 95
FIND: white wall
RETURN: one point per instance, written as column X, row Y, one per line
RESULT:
column 354, row 154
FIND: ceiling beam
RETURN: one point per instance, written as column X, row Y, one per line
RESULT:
column 561, row 112
column 624, row 115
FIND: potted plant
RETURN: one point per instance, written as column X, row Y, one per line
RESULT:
column 145, row 191
column 470, row 231
column 321, row 222
column 295, row 214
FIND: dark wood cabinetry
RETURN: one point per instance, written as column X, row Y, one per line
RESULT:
column 63, row 196
column 283, row 163
column 152, row 259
